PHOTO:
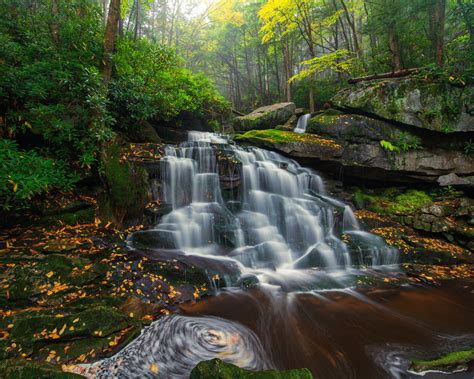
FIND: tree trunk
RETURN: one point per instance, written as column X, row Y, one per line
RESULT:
column 438, row 20
column 136, row 34
column 287, row 63
column 54, row 21
column 109, row 41
column 394, row 48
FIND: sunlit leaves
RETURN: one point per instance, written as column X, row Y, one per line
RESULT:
column 339, row 61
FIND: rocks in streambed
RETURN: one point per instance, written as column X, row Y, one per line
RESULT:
column 265, row 117
column 447, row 215
column 457, row 361
column 217, row 369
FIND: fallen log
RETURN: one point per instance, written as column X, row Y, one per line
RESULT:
column 394, row 74
column 237, row 112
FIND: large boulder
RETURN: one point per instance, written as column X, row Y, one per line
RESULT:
column 436, row 106
column 266, row 117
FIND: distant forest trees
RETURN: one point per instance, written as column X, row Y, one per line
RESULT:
column 253, row 48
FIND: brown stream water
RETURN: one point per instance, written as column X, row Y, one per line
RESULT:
column 368, row 333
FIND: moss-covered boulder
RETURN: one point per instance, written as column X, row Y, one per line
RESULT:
column 436, row 106
column 450, row 363
column 217, row 369
column 265, row 117
column 126, row 189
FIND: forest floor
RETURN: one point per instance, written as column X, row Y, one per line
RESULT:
column 72, row 293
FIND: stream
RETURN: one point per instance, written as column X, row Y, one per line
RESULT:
column 298, row 281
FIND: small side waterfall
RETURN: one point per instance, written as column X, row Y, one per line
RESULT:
column 302, row 123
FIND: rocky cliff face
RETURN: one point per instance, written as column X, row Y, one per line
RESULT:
column 419, row 103
column 394, row 130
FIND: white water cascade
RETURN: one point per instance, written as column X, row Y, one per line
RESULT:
column 277, row 223
column 302, row 123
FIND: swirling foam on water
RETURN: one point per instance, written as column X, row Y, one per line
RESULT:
column 171, row 346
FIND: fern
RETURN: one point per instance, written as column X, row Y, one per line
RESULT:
column 387, row 145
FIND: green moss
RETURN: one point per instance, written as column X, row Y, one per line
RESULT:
column 23, row 369
column 217, row 369
column 446, row 361
column 409, row 202
column 126, row 186
column 282, row 136
column 392, row 201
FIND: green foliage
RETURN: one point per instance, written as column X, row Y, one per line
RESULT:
column 469, row 147
column 52, row 90
column 150, row 83
column 24, row 174
column 392, row 201
column 337, row 61
column 404, row 142
column 387, row 145
column 407, row 141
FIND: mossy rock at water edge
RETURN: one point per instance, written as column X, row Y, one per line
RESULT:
column 451, row 362
column 217, row 369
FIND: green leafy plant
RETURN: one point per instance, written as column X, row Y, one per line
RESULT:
column 469, row 148
column 387, row 145
column 25, row 174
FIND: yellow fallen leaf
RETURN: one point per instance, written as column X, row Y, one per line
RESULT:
column 154, row 368
column 50, row 274
column 62, row 329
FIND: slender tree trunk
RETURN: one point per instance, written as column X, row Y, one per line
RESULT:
column 287, row 63
column 438, row 20
column 104, row 10
column 394, row 48
column 54, row 21
column 109, row 41
column 136, row 34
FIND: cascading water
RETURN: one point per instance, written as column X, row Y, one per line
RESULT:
column 265, row 217
column 302, row 123
column 279, row 218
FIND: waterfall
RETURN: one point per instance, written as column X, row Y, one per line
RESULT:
column 277, row 217
column 302, row 123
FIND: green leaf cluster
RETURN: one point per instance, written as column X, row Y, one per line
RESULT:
column 26, row 174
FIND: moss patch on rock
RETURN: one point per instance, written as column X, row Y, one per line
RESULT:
column 24, row 369
column 450, row 362
column 127, row 188
column 393, row 201
column 282, row 136
column 217, row 369
column 426, row 104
